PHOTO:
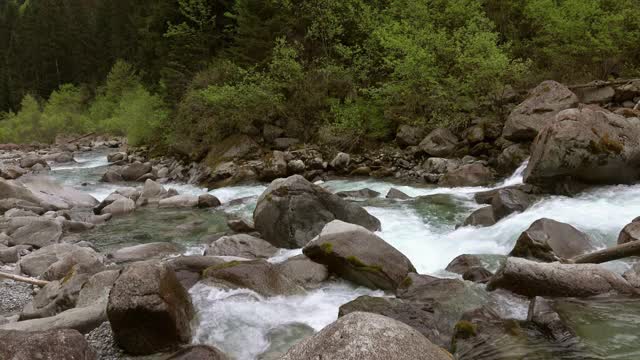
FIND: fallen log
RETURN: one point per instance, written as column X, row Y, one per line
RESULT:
column 81, row 137
column 601, row 83
column 609, row 254
column 24, row 279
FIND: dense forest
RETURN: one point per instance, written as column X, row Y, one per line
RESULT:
column 183, row 74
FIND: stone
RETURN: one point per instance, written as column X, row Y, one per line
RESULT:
column 365, row 193
column 189, row 269
column 512, row 157
column 54, row 261
column 530, row 278
column 11, row 172
column 82, row 319
column 549, row 240
column 12, row 190
column 477, row 274
column 149, row 310
column 439, row 143
column 59, row 196
column 240, row 225
column 234, row 147
column 241, row 245
column 257, row 275
column 461, row 263
column 198, row 352
column 121, row 206
column 341, row 161
column 508, row 201
column 303, row 271
column 588, row 145
column 152, row 193
column 361, row 335
column 481, row 217
column 17, row 212
column 35, row 231
column 9, row 255
column 117, row 156
column 474, row 134
column 285, row 143
column 396, row 194
column 408, row 135
column 96, row 289
column 538, row 110
column 62, row 157
column 291, row 211
column 31, row 160
column 271, row 132
column 134, row 171
column 295, row 167
column 63, row 344
column 206, row 201
column 631, row 232
column 179, row 201
column 596, row 95
column 358, row 255
column 474, row 174
column 633, row 276
column 144, row 252
column 111, row 176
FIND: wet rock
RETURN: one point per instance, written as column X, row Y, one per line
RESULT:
column 529, row 278
column 31, row 160
column 474, row 174
column 365, row 193
column 206, row 201
column 117, row 156
column 55, row 261
column 61, row 344
column 549, row 240
column 134, row 171
column 198, row 352
column 144, row 252
column 407, row 135
column 508, row 201
column 397, row 195
column 361, row 335
column 35, row 231
column 538, row 110
column 633, row 275
column 303, row 271
column 512, row 157
column 631, row 232
column 179, row 201
column 358, row 255
column 189, row 269
column 292, row 211
column 152, row 193
column 588, row 145
column 59, row 196
column 148, row 309
column 481, row 217
column 241, row 245
column 341, row 161
column 240, row 225
column 61, row 158
column 120, row 206
column 419, row 315
column 257, row 275
column 477, row 274
column 461, row 263
column 96, row 289
column 439, row 143
column 111, row 176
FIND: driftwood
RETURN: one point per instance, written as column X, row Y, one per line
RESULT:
column 81, row 137
column 24, row 279
column 613, row 253
column 602, row 83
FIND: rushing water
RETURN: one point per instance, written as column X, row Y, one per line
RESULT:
column 248, row 326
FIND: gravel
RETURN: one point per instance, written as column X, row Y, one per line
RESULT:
column 101, row 340
column 13, row 296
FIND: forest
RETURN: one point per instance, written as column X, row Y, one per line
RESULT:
column 183, row 74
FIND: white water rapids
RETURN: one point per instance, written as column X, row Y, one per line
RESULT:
column 245, row 325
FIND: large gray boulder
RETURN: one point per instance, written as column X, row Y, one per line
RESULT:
column 530, row 278
column 549, row 240
column 439, row 143
column 143, row 252
column 11, row 172
column 135, row 171
column 358, row 255
column 361, row 335
column 64, row 344
column 48, row 191
column 631, row 232
column 508, row 201
column 408, row 135
column 35, row 231
column 10, row 189
column 481, row 217
column 189, row 269
column 241, row 245
column 198, row 352
column 303, row 271
column 258, row 275
column 179, row 201
column 31, row 160
column 120, row 206
column 538, row 110
column 291, row 211
column 152, row 193
column 588, row 145
column 53, row 262
column 475, row 174
column 148, row 309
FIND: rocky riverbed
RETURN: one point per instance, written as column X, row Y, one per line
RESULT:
column 145, row 262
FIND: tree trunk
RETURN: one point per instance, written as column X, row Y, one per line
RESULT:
column 609, row 254
column 24, row 279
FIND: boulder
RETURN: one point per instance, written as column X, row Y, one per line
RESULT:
column 111, row 176
column 530, row 278
column 82, row 319
column 96, row 289
column 31, row 160
column 240, row 225
column 35, row 231
column 198, row 352
column 436, row 165
column 17, row 212
column 271, row 132
column 189, row 269
column 234, row 147
column 9, row 255
column 477, row 274
column 179, row 201
column 341, row 161
column 144, row 252
column 48, row 191
column 365, row 193
column 284, row 143
column 11, row 172
column 206, row 201
column 117, row 156
column 358, row 255
column 408, row 135
column 512, row 157
column 508, row 201
column 439, row 143
column 292, row 211
column 121, row 206
column 396, row 194
column 549, row 240
column 134, row 171
column 241, row 245
column 631, row 232
column 152, row 193
column 538, row 110
column 588, row 145
column 63, row 344
column 149, row 311
column 595, row 95
column 481, row 217
column 13, row 190
column 461, row 263
column 303, row 271
column 55, row 261
column 361, row 335
column 474, row 174
column 275, row 166
column 633, row 276
column 61, row 158
column 295, row 166
column 257, row 275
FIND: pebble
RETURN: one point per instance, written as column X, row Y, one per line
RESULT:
column 13, row 296
column 101, row 340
